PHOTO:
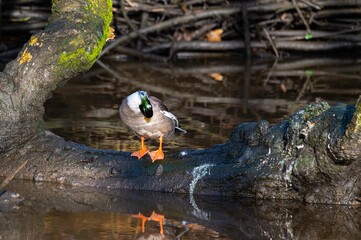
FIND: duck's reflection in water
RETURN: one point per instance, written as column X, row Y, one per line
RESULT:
column 168, row 229
column 153, row 217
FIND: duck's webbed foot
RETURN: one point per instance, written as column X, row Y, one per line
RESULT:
column 139, row 154
column 158, row 154
column 158, row 218
column 143, row 218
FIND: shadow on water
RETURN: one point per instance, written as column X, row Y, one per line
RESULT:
column 210, row 97
column 59, row 212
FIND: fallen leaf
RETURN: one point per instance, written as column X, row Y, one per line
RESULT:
column 283, row 88
column 216, row 76
column 215, row 35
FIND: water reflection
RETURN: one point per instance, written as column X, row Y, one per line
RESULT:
column 57, row 212
column 86, row 109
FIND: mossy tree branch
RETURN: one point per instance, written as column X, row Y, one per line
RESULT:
column 70, row 44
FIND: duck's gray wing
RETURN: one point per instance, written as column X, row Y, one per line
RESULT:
column 164, row 110
column 159, row 103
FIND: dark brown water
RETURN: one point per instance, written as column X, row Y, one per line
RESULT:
column 59, row 212
column 208, row 107
column 86, row 109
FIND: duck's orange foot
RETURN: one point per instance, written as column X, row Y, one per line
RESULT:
column 143, row 150
column 158, row 218
column 156, row 155
column 139, row 154
column 141, row 217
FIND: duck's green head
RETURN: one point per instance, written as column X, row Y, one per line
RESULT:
column 145, row 105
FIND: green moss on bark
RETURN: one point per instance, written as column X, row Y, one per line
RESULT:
column 304, row 163
column 84, row 49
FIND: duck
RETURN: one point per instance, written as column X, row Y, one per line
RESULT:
column 149, row 118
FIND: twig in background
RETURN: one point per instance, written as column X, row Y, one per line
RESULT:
column 12, row 175
column 131, row 25
column 312, row 4
column 247, row 37
column 171, row 23
column 130, row 3
column 301, row 16
column 143, row 24
column 270, row 72
column 304, row 88
column 271, row 42
column 140, row 54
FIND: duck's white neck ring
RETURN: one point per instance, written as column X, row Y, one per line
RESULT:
column 133, row 101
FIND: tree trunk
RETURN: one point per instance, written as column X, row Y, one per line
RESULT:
column 314, row 156
column 71, row 43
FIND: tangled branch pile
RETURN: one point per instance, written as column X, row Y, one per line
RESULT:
column 189, row 28
column 18, row 20
column 164, row 29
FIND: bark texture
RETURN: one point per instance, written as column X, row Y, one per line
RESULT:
column 313, row 156
column 71, row 43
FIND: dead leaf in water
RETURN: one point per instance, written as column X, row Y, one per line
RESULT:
column 215, row 35
column 283, row 88
column 216, row 76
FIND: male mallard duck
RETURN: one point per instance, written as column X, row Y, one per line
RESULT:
column 149, row 118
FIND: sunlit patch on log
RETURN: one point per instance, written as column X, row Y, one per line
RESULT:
column 26, row 57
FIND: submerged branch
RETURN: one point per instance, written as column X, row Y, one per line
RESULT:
column 11, row 175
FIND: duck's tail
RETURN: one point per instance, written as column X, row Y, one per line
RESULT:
column 176, row 122
column 181, row 130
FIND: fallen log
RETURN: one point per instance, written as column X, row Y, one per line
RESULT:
column 313, row 156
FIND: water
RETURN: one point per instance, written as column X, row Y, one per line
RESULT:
column 59, row 212
column 86, row 111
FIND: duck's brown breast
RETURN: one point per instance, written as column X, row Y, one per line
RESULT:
column 157, row 126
